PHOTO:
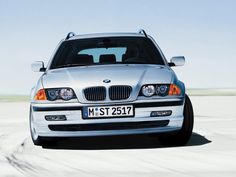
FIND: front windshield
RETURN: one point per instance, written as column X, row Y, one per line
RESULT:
column 108, row 50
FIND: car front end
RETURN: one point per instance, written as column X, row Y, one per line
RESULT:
column 94, row 108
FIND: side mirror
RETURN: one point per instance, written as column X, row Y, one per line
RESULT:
column 177, row 61
column 38, row 66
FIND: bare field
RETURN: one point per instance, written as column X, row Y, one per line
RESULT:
column 210, row 152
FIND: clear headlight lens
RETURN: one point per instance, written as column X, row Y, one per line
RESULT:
column 162, row 90
column 53, row 94
column 66, row 94
column 148, row 90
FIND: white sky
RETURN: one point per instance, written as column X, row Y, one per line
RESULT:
column 204, row 31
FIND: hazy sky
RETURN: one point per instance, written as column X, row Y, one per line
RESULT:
column 204, row 31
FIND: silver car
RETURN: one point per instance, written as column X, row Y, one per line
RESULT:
column 109, row 84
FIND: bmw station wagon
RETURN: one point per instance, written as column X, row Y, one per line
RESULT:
column 109, row 84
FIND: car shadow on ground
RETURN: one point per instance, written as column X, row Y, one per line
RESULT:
column 120, row 142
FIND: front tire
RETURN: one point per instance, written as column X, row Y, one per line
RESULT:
column 183, row 135
column 34, row 135
column 38, row 140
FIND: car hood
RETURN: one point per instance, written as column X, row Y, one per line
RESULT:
column 81, row 77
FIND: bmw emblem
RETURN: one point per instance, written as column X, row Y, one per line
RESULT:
column 106, row 80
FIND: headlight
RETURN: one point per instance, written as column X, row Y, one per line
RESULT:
column 162, row 90
column 65, row 94
column 53, row 94
column 148, row 90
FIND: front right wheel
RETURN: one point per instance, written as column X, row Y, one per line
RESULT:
column 183, row 135
column 38, row 140
column 34, row 135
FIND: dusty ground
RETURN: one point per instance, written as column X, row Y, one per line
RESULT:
column 210, row 152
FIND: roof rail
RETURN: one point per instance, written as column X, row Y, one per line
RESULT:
column 141, row 31
column 69, row 35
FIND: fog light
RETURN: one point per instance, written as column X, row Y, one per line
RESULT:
column 55, row 117
column 160, row 113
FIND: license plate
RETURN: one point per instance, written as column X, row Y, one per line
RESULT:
column 108, row 111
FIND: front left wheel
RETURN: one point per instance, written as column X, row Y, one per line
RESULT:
column 183, row 135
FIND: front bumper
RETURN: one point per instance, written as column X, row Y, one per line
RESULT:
column 76, row 126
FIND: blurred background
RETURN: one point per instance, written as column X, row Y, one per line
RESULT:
column 204, row 31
